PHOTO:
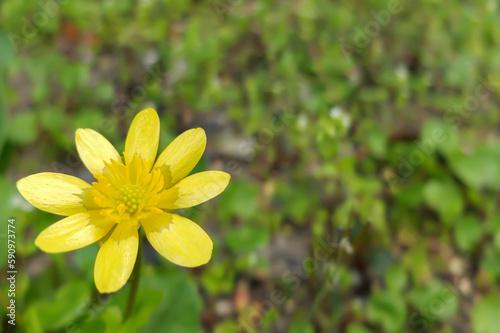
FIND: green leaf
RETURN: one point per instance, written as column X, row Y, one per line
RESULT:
column 377, row 142
column 445, row 197
column 410, row 196
column 5, row 57
column 481, row 168
column 395, row 278
column 84, row 259
column 52, row 119
column 7, row 193
column 435, row 301
column 357, row 328
column 3, row 119
column 343, row 212
column 228, row 326
column 89, row 324
column 468, row 231
column 491, row 260
column 218, row 277
column 180, row 308
column 112, row 317
column 438, row 135
column 388, row 310
column 485, row 314
column 301, row 324
column 146, row 302
column 247, row 238
column 239, row 199
column 69, row 303
column 88, row 118
column 32, row 319
column 7, row 54
column 23, row 128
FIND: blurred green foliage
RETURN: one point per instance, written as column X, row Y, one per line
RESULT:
column 334, row 118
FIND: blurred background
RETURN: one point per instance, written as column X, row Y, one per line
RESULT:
column 362, row 138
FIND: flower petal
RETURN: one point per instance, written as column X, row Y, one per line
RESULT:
column 182, row 155
column 143, row 136
column 178, row 239
column 94, row 149
column 116, row 258
column 194, row 190
column 74, row 232
column 55, row 193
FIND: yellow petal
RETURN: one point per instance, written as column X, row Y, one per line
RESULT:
column 194, row 190
column 94, row 149
column 182, row 155
column 74, row 232
column 55, row 193
column 143, row 136
column 116, row 258
column 178, row 239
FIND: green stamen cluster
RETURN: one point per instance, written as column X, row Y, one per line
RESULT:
column 131, row 196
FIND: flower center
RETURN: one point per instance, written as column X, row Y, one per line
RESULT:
column 131, row 196
column 129, row 190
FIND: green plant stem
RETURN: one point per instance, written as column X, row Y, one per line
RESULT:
column 136, row 276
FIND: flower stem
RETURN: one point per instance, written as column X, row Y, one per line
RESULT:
column 134, row 279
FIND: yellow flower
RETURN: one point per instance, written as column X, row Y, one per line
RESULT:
column 129, row 191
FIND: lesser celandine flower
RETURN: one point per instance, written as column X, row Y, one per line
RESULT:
column 130, row 191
